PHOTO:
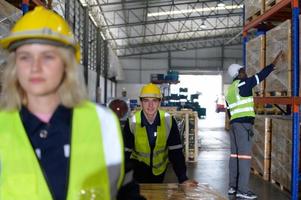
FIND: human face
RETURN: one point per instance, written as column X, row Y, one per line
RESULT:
column 40, row 69
column 242, row 73
column 150, row 106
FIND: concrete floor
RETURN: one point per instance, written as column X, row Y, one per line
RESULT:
column 212, row 165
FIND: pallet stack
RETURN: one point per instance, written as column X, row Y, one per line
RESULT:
column 279, row 38
column 253, row 9
column 272, row 147
column 261, row 51
column 281, row 151
column 190, row 132
column 261, row 150
column 187, row 121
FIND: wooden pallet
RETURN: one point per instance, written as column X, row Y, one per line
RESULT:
column 261, row 149
column 283, row 93
column 253, row 9
column 257, row 173
column 280, row 186
column 254, row 16
column 270, row 3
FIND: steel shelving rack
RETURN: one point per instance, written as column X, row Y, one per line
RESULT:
column 276, row 13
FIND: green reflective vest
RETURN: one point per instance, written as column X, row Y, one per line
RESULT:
column 142, row 150
column 239, row 106
column 21, row 176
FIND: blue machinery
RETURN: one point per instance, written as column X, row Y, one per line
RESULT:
column 295, row 99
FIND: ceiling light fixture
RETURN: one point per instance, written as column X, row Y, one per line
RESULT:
column 203, row 25
column 178, row 12
column 221, row 4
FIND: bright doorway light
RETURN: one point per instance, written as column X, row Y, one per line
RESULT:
column 209, row 87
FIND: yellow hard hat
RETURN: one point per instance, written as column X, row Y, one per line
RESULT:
column 150, row 90
column 44, row 25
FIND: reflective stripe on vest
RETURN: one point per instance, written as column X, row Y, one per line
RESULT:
column 22, row 178
column 142, row 149
column 239, row 106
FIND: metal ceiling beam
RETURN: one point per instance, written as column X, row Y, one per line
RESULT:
column 189, row 31
column 177, row 46
column 149, row 22
column 160, row 4
column 127, row 27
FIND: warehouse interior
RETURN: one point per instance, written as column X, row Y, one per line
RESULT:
column 185, row 47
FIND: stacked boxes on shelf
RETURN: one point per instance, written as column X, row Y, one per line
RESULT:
column 261, row 150
column 157, row 77
column 281, row 159
column 255, row 58
column 279, row 38
column 253, row 8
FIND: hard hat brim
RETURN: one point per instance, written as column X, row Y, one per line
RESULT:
column 150, row 96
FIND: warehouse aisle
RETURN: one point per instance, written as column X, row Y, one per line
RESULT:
column 212, row 165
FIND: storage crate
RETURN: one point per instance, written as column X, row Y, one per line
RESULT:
column 255, row 59
column 253, row 9
column 278, row 83
column 261, row 150
column 157, row 77
column 281, row 154
column 190, row 132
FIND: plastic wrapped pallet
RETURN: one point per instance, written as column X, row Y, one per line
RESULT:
column 253, row 8
column 177, row 192
column 281, row 154
column 279, row 38
column 255, row 55
column 190, row 133
column 261, row 150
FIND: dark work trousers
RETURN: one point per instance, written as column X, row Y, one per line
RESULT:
column 240, row 158
column 144, row 174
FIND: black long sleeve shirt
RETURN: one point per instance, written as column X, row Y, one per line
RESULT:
column 175, row 156
column 51, row 142
column 245, row 90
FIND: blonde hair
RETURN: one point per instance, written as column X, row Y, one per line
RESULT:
column 72, row 90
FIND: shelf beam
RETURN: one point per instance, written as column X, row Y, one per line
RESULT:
column 39, row 3
column 278, row 100
column 268, row 14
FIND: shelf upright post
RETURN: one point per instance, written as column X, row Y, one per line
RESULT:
column 245, row 40
column 296, row 128
column 25, row 6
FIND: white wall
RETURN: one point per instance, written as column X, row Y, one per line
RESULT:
column 92, row 85
column 137, row 69
column 133, row 90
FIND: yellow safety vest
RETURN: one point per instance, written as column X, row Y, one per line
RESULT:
column 239, row 106
column 142, row 150
column 21, row 176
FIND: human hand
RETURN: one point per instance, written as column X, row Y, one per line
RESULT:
column 190, row 183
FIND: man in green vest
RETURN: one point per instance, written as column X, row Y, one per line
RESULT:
column 152, row 138
column 240, row 107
